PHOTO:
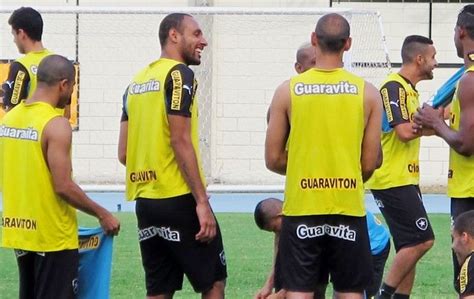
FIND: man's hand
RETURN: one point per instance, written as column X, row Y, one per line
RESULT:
column 263, row 293
column 428, row 117
column 280, row 295
column 109, row 224
column 207, row 222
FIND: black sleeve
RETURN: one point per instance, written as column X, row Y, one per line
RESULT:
column 394, row 99
column 466, row 278
column 124, row 106
column 180, row 88
column 15, row 88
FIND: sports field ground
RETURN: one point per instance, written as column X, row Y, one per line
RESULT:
column 249, row 256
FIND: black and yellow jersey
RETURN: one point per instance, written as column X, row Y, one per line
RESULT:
column 461, row 168
column 400, row 165
column 164, row 87
column 324, row 173
column 34, row 217
column 465, row 280
column 21, row 80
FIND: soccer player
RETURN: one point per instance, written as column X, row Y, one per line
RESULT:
column 395, row 184
column 463, row 247
column 325, row 166
column 27, row 30
column 460, row 133
column 158, row 143
column 39, row 197
column 268, row 217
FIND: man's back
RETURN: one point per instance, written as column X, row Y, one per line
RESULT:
column 323, row 174
column 28, row 187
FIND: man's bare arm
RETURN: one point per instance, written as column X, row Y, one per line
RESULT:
column 186, row 156
column 278, row 130
column 461, row 141
column 56, row 143
column 122, row 144
column 373, row 123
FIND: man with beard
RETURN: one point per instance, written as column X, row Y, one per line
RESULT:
column 395, row 184
column 40, row 199
column 159, row 145
column 460, row 134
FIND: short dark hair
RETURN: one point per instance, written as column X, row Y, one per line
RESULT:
column 332, row 31
column 265, row 211
column 54, row 68
column 171, row 21
column 29, row 20
column 466, row 19
column 414, row 45
column 464, row 223
column 261, row 219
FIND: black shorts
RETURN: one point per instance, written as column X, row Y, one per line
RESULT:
column 310, row 244
column 403, row 210
column 48, row 274
column 459, row 206
column 378, row 261
column 166, row 231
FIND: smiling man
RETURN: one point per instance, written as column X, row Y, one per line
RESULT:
column 158, row 143
column 395, row 184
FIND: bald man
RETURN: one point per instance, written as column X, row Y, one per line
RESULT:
column 323, row 222
column 39, row 197
column 305, row 58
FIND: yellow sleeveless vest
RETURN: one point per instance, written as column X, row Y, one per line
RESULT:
column 34, row 217
column 461, row 168
column 31, row 61
column 152, row 169
column 327, row 126
column 400, row 165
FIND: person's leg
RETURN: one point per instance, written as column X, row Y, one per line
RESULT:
column 56, row 274
column 301, row 252
column 402, row 271
column 412, row 234
column 26, row 266
column 379, row 261
column 349, row 257
column 204, row 264
column 163, row 275
column 216, row 292
column 406, row 286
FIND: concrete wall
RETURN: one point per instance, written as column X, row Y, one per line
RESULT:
column 246, row 60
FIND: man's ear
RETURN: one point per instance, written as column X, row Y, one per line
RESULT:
column 173, row 35
column 314, row 39
column 348, row 44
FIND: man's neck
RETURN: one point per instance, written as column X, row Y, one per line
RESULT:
column 469, row 54
column 42, row 95
column 166, row 53
column 328, row 61
column 34, row 47
column 410, row 73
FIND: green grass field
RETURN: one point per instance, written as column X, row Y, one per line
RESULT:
column 249, row 256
